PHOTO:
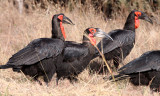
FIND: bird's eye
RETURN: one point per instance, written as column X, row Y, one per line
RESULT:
column 92, row 30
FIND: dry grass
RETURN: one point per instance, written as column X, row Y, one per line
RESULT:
column 17, row 30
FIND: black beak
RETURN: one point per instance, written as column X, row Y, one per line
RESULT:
column 102, row 34
column 66, row 20
column 145, row 17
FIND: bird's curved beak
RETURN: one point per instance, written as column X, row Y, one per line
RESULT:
column 66, row 20
column 102, row 34
column 145, row 17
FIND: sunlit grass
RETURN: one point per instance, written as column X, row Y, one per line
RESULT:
column 16, row 31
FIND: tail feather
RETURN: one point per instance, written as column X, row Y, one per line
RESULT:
column 5, row 66
column 117, row 77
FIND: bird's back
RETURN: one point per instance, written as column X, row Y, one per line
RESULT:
column 120, row 38
column 36, row 51
column 146, row 62
column 75, row 60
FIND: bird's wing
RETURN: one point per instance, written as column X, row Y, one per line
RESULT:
column 147, row 61
column 74, row 51
column 120, row 38
column 37, row 50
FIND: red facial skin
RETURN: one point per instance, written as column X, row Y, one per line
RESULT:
column 60, row 17
column 92, row 30
column 137, row 22
column 92, row 39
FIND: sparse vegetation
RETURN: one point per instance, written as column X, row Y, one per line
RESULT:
column 17, row 30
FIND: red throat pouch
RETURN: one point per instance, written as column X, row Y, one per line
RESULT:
column 92, row 39
column 61, row 26
column 137, row 22
column 62, row 29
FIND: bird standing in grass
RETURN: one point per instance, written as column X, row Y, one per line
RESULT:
column 144, row 70
column 39, row 57
column 124, row 40
column 78, row 55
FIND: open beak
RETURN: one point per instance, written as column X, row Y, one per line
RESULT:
column 102, row 34
column 66, row 20
column 145, row 17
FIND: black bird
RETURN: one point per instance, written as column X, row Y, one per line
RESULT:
column 39, row 57
column 78, row 55
column 124, row 40
column 144, row 70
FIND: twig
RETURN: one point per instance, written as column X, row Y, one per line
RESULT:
column 109, row 69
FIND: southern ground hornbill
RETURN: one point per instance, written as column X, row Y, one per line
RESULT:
column 39, row 57
column 123, row 43
column 144, row 70
column 78, row 55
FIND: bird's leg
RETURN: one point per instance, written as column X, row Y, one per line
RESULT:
column 57, row 81
column 72, row 79
column 36, row 79
column 39, row 82
column 47, row 84
column 47, row 78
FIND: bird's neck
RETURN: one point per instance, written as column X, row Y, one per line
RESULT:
column 56, row 30
column 87, row 43
column 130, row 22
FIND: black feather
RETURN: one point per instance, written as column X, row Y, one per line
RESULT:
column 122, row 44
column 39, row 57
column 144, row 70
column 76, row 58
column 5, row 66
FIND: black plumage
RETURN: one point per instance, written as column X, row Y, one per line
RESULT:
column 124, row 40
column 144, row 70
column 39, row 57
column 78, row 55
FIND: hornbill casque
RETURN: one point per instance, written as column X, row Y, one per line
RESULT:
column 78, row 55
column 124, row 40
column 39, row 57
column 144, row 70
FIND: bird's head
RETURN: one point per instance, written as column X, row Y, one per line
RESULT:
column 95, row 32
column 140, row 15
column 64, row 19
column 61, row 18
